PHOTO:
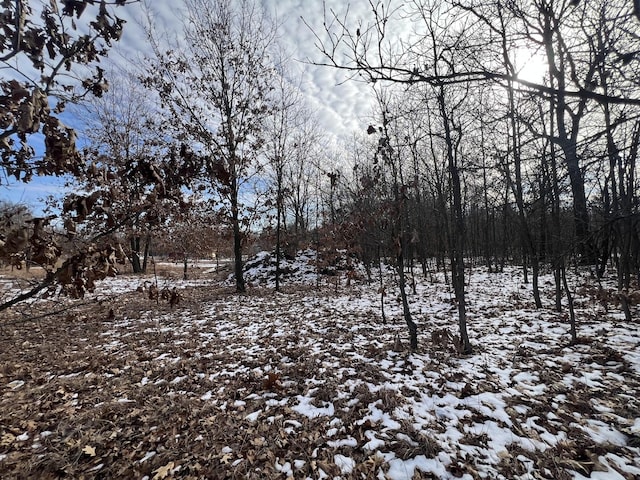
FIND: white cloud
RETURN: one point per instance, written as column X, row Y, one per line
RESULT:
column 340, row 105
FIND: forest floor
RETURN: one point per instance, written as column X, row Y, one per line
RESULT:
column 310, row 383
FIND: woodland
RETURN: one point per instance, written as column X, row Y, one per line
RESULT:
column 227, row 290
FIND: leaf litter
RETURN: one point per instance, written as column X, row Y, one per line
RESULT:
column 310, row 383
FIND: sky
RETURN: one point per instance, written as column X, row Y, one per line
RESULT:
column 339, row 105
column 342, row 106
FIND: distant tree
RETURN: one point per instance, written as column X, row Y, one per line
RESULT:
column 193, row 234
column 292, row 135
column 132, row 164
column 217, row 87
column 300, row 176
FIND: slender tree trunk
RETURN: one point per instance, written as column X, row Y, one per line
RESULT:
column 572, row 314
column 488, row 244
column 413, row 328
column 382, row 289
column 442, row 259
column 535, row 268
column 237, row 239
column 135, row 254
column 557, row 277
column 505, row 230
column 147, row 248
column 185, row 265
column 457, row 244
column 556, row 244
column 529, row 251
column 402, row 248
column 278, row 230
column 458, row 257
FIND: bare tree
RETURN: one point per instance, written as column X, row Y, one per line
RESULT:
column 390, row 153
column 217, row 87
column 195, row 233
column 123, row 142
column 291, row 136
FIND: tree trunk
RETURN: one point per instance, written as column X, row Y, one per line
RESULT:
column 457, row 243
column 566, row 139
column 572, row 315
column 237, row 239
column 580, row 210
column 278, row 230
column 458, row 257
column 185, row 262
column 535, row 267
column 557, row 277
column 556, row 246
column 382, row 289
column 413, row 328
column 147, row 249
column 135, row 254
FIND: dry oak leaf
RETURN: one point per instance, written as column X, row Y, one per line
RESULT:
column 272, row 383
column 162, row 472
column 89, row 450
column 258, row 442
column 7, row 439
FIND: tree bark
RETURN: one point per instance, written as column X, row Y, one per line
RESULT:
column 147, row 249
column 457, row 244
column 572, row 314
column 411, row 325
column 278, row 229
column 237, row 242
column 185, row 265
column 135, row 254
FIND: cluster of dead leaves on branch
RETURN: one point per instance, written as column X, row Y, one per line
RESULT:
column 84, row 250
column 32, row 238
column 35, row 242
column 62, row 49
column 30, row 106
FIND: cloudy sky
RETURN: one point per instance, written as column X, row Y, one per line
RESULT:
column 338, row 104
column 342, row 106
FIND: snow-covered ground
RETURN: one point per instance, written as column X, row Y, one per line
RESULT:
column 311, row 384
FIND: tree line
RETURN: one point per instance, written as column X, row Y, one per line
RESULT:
column 464, row 161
